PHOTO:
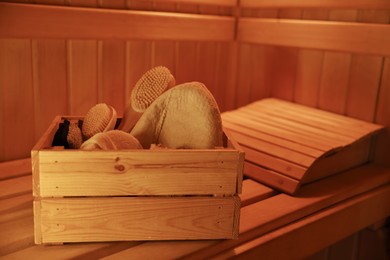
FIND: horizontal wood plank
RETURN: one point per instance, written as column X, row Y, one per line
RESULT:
column 142, row 218
column 235, row 128
column 138, row 172
column 43, row 21
column 356, row 4
column 324, row 35
column 296, row 240
column 260, row 218
column 15, row 168
column 226, row 3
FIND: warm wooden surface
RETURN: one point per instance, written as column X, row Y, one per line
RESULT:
column 287, row 145
column 41, row 21
column 316, row 35
column 363, row 192
column 42, row 78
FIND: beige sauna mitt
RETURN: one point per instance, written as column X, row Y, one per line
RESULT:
column 185, row 116
column 111, row 140
column 100, row 118
column 150, row 86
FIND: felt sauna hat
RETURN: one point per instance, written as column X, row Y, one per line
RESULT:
column 185, row 116
column 100, row 118
column 111, row 140
column 150, row 86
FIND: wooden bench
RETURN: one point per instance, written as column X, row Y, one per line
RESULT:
column 273, row 224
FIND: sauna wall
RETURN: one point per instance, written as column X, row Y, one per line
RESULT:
column 42, row 78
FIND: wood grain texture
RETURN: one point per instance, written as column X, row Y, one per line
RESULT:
column 382, row 116
column 173, row 172
column 309, row 66
column 316, row 4
column 319, row 222
column 81, row 23
column 316, row 35
column 16, row 99
column 266, row 129
column 260, row 218
column 73, row 220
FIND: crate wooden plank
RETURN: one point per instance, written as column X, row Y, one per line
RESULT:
column 137, row 218
column 158, row 172
column 259, row 127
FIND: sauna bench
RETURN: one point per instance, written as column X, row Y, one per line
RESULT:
column 272, row 224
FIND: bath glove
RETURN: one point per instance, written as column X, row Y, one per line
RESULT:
column 150, row 86
column 185, row 116
column 100, row 118
column 111, row 140
column 74, row 137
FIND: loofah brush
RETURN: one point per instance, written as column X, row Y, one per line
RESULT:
column 111, row 140
column 74, row 137
column 150, row 86
column 100, row 118
column 185, row 116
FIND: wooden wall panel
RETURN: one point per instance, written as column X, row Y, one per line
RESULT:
column 83, row 73
column 17, row 99
column 365, row 74
column 382, row 116
column 50, row 82
column 309, row 67
column 112, row 75
column 335, row 74
column 285, row 63
column 82, row 76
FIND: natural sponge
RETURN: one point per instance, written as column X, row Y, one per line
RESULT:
column 100, row 118
column 111, row 140
column 149, row 87
column 74, row 136
column 185, row 116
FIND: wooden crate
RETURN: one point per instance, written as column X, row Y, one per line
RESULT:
column 288, row 145
column 162, row 194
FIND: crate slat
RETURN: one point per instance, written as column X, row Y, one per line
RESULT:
column 137, row 218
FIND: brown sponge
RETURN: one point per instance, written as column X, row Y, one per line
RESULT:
column 74, row 137
column 185, row 116
column 150, row 86
column 100, row 118
column 111, row 140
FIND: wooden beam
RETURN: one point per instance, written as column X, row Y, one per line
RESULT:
column 356, row 4
column 334, row 36
column 225, row 3
column 41, row 21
